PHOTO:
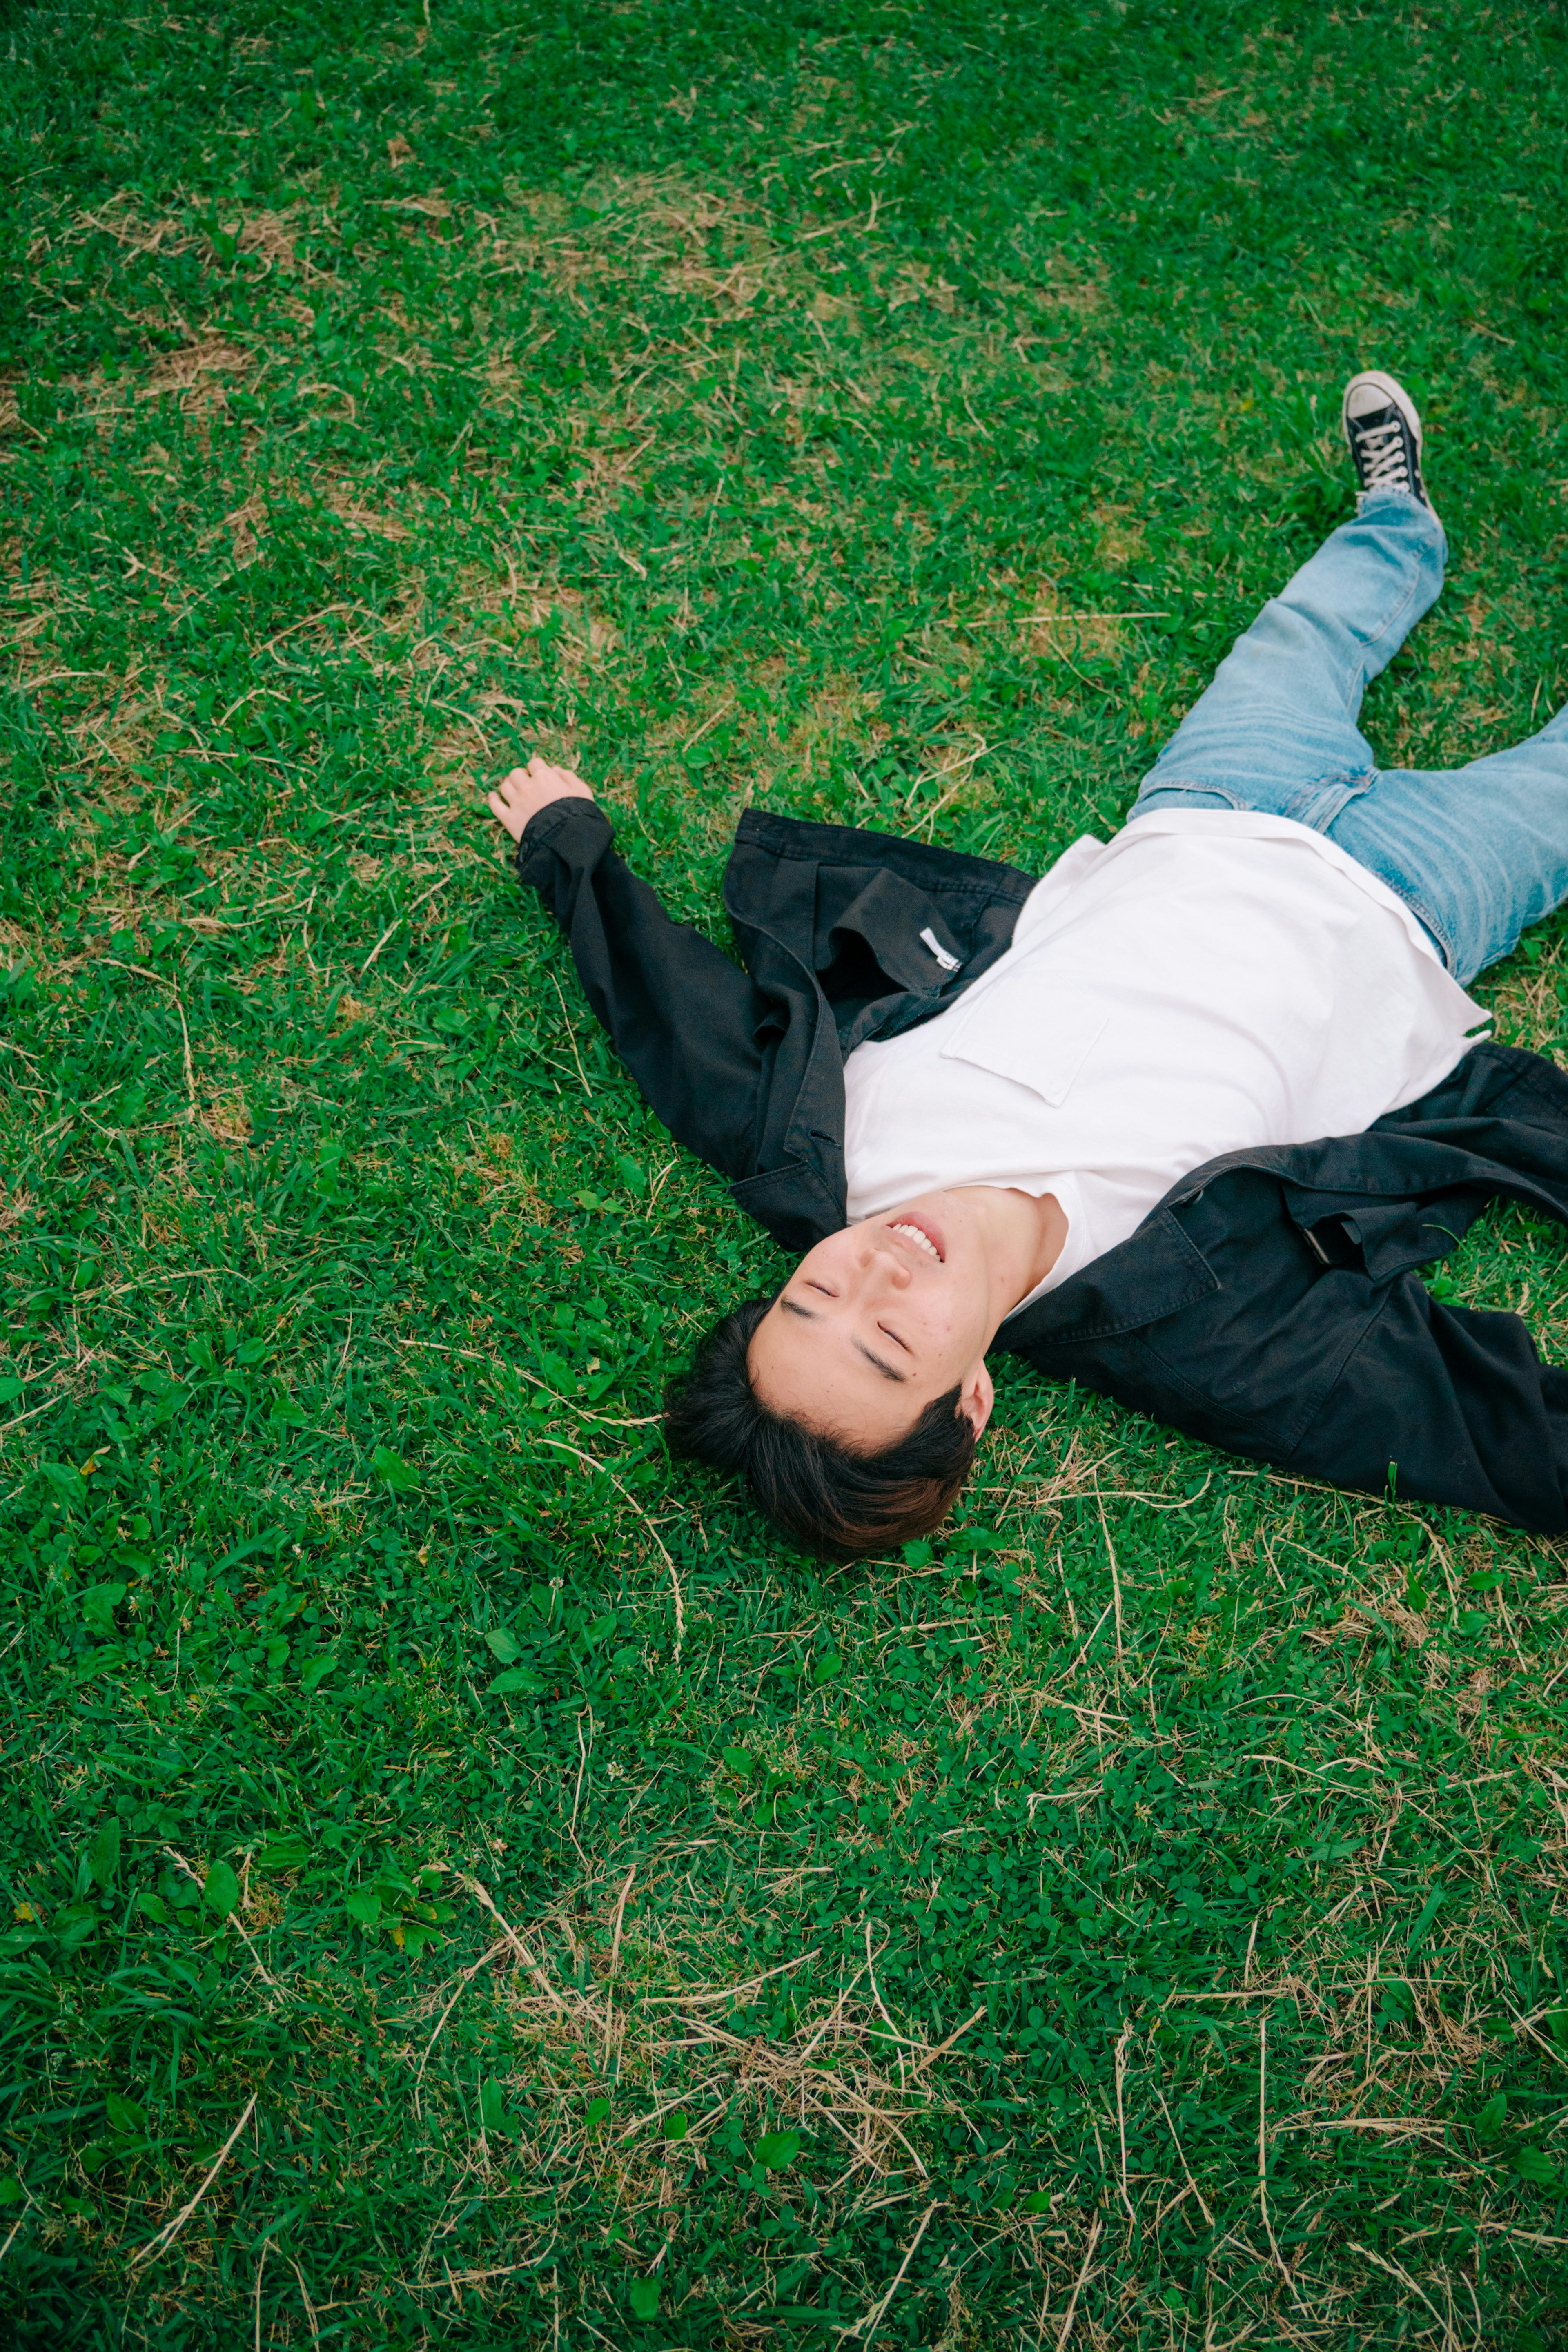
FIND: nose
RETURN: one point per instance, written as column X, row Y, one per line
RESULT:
column 877, row 1261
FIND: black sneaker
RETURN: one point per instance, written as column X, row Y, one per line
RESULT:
column 1383, row 430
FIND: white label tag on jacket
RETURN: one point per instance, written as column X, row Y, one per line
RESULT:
column 1040, row 1045
column 928, row 939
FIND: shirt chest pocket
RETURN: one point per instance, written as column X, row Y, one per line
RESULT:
column 1044, row 1044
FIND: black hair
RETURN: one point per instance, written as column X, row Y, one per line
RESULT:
column 831, row 1499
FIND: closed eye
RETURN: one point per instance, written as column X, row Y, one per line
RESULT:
column 894, row 1338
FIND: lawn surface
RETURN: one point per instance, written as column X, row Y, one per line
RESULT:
column 465, row 1883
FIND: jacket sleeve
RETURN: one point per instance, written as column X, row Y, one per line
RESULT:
column 1455, row 1405
column 1327, row 1372
column 681, row 1014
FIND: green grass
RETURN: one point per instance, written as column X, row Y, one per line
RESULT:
column 1147, row 1904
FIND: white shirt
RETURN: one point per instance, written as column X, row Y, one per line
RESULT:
column 1208, row 980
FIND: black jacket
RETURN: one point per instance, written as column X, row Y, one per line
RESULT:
column 1269, row 1304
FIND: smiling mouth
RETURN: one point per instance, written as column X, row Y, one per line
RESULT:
column 921, row 1239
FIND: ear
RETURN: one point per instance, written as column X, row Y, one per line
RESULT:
column 979, row 1396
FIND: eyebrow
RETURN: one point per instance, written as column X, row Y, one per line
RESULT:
column 810, row 1315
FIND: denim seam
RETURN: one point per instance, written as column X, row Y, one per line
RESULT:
column 1355, row 783
column 1396, row 616
column 1252, row 808
column 1193, row 784
column 1428, row 920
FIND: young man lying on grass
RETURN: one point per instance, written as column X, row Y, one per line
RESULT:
column 1082, row 1116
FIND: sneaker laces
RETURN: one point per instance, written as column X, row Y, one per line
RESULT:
column 1381, row 450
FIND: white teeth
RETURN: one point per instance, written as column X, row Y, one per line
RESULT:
column 914, row 1233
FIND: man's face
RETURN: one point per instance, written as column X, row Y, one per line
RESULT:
column 879, row 1320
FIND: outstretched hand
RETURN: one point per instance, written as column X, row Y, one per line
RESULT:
column 519, row 797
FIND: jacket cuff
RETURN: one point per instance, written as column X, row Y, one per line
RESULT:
column 574, row 832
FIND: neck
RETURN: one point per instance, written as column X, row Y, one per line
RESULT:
column 1026, row 1232
column 1050, row 1227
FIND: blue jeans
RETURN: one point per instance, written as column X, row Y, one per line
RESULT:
column 1477, row 853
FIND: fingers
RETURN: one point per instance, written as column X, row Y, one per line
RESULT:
column 511, row 804
column 538, row 780
column 541, row 771
column 520, row 795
